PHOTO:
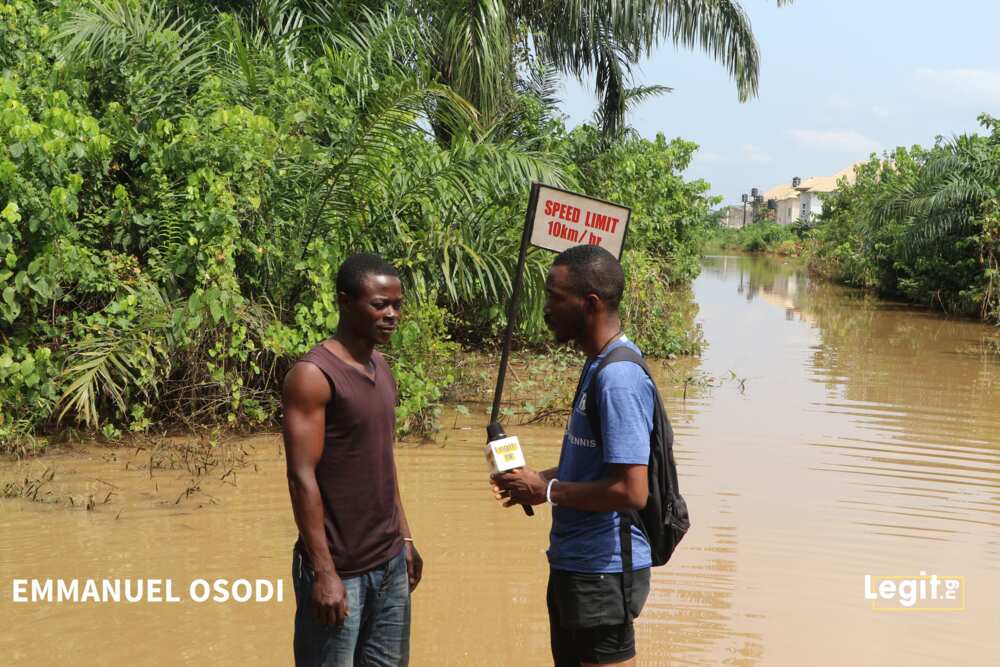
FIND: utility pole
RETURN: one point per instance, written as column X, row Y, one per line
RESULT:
column 753, row 199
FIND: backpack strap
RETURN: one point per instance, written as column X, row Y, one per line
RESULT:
column 620, row 353
column 625, row 535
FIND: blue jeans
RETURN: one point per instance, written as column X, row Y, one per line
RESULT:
column 377, row 629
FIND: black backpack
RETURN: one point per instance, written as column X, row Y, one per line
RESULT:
column 664, row 520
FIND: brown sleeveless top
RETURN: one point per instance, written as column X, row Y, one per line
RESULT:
column 356, row 474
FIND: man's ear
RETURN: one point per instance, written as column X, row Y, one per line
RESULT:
column 592, row 303
column 343, row 300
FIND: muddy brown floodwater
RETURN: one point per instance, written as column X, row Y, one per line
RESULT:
column 826, row 436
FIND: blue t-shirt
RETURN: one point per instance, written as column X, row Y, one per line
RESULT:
column 589, row 541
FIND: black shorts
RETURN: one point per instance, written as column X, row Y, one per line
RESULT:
column 587, row 616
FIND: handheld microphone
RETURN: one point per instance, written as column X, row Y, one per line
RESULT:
column 504, row 453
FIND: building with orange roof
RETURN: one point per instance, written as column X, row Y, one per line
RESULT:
column 803, row 199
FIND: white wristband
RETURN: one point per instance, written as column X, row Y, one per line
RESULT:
column 548, row 491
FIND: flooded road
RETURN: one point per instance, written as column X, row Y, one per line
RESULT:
column 825, row 436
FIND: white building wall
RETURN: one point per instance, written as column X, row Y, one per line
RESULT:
column 787, row 211
column 733, row 217
column 816, row 204
column 810, row 205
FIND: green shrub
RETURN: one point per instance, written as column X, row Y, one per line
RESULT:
column 919, row 224
column 422, row 360
column 764, row 236
column 659, row 319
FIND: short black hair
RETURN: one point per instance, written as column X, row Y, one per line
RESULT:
column 356, row 268
column 594, row 270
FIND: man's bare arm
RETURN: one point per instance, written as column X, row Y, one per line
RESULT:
column 404, row 525
column 306, row 394
column 549, row 473
column 625, row 488
column 305, row 397
column 414, row 563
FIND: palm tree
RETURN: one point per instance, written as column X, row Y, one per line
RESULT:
column 955, row 192
column 480, row 43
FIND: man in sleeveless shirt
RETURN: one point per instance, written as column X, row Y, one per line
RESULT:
column 594, row 481
column 354, row 564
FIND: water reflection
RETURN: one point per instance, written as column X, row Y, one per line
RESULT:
column 878, row 427
column 926, row 415
column 919, row 390
column 693, row 616
column 779, row 283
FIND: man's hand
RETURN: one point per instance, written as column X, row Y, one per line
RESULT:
column 329, row 599
column 414, row 565
column 521, row 486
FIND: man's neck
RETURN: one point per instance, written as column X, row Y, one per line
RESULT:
column 359, row 349
column 600, row 336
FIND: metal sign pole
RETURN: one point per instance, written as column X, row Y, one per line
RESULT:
column 515, row 298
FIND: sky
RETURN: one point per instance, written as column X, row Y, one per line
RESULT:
column 838, row 80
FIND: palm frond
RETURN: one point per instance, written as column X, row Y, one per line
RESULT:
column 608, row 38
column 943, row 196
column 167, row 54
column 117, row 363
column 611, row 120
column 109, row 29
column 474, row 53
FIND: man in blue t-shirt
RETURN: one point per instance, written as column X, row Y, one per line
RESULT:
column 595, row 480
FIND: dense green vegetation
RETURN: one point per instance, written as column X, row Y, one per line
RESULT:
column 180, row 180
column 921, row 225
column 765, row 236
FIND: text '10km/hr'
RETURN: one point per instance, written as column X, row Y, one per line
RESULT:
column 567, row 215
